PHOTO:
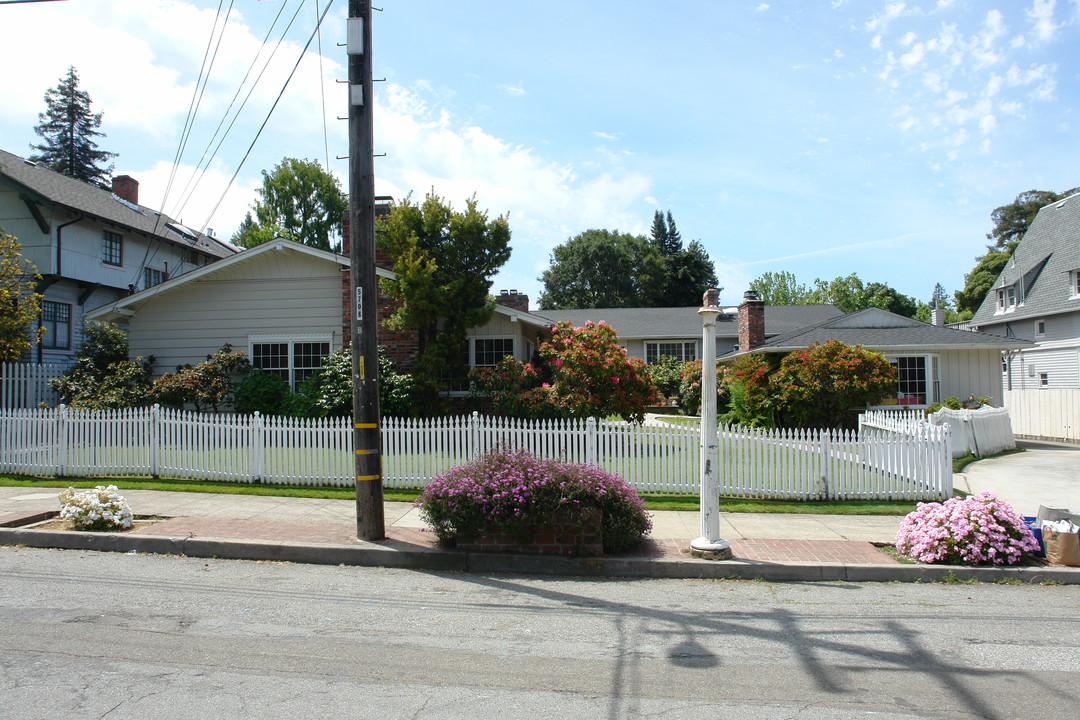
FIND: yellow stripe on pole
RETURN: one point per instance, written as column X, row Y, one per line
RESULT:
column 366, row 426
column 366, row 478
column 367, row 452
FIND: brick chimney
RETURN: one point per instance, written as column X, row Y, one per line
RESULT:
column 751, row 322
column 513, row 299
column 127, row 188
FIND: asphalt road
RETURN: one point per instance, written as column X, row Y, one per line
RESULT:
column 128, row 636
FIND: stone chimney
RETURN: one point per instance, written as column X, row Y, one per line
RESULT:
column 751, row 322
column 127, row 188
column 513, row 299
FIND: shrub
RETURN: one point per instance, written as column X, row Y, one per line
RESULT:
column 510, row 491
column 751, row 397
column 103, row 377
column 208, row 385
column 690, row 388
column 99, row 509
column 954, row 403
column 976, row 530
column 266, row 393
column 666, row 374
column 583, row 372
column 818, row 386
column 329, row 392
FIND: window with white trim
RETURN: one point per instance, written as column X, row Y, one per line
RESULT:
column 1074, row 284
column 1040, row 328
column 916, row 380
column 56, row 319
column 480, row 352
column 1006, row 298
column 1044, row 379
column 292, row 360
column 684, row 351
column 112, row 248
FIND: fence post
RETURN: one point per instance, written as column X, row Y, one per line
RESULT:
column 826, row 465
column 61, row 441
column 590, row 441
column 258, row 442
column 474, row 435
column 155, row 439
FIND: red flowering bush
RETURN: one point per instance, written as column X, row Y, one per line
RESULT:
column 819, row 386
column 583, row 372
column 513, row 491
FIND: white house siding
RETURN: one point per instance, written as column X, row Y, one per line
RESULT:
column 16, row 220
column 1052, row 414
column 277, row 294
column 502, row 326
column 970, row 372
column 1060, row 362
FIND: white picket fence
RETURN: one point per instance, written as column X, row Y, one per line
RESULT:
column 900, row 463
column 26, row 385
column 982, row 432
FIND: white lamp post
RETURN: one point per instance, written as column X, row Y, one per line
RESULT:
column 709, row 545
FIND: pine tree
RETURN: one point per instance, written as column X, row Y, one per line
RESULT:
column 69, row 128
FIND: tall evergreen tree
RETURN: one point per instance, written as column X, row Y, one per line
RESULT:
column 68, row 128
column 688, row 271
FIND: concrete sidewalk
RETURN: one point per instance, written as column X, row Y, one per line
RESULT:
column 774, row 547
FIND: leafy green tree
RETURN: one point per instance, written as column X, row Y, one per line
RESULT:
column 981, row 278
column 882, row 296
column 781, row 288
column 444, row 262
column 818, row 387
column 20, row 306
column 300, row 201
column 583, row 372
column 1013, row 220
column 603, row 269
column 939, row 298
column 103, row 377
column 68, row 128
column 666, row 373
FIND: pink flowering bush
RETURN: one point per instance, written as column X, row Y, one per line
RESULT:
column 977, row 530
column 511, row 491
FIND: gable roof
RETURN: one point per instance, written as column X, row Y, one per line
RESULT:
column 1040, row 267
column 684, row 322
column 129, row 305
column 881, row 330
column 51, row 189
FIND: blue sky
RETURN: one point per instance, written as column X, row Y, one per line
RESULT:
column 818, row 138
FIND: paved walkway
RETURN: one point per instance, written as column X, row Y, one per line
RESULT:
column 780, row 546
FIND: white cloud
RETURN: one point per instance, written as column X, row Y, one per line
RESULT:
column 762, row 7
column 892, row 11
column 513, row 90
column 605, row 135
column 1041, row 15
column 427, row 146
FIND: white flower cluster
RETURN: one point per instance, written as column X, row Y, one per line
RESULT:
column 102, row 508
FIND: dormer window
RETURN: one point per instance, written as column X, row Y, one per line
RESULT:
column 1075, row 284
column 1006, row 298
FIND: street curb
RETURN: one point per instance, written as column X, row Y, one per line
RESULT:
column 373, row 555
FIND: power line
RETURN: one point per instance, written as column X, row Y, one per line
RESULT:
column 270, row 113
column 189, row 188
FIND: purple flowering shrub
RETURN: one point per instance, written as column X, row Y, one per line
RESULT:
column 511, row 491
column 977, row 530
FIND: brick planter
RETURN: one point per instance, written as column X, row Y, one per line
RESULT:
column 574, row 532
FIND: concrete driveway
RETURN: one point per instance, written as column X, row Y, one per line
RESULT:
column 1045, row 474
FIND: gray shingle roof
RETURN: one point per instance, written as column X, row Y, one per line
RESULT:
column 684, row 322
column 1040, row 267
column 51, row 187
column 879, row 330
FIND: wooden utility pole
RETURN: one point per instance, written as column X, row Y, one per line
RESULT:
column 367, row 436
